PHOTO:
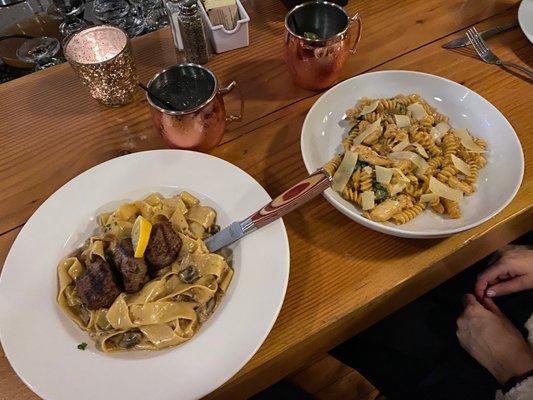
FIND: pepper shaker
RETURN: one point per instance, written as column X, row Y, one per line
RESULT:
column 192, row 32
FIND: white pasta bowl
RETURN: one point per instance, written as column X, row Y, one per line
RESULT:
column 40, row 341
column 498, row 182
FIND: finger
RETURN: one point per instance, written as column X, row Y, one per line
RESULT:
column 472, row 306
column 491, row 306
column 507, row 287
column 489, row 275
column 468, row 300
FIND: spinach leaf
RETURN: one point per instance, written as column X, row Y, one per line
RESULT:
column 360, row 164
column 401, row 109
column 380, row 192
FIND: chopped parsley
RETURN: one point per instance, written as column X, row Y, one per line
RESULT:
column 82, row 346
column 311, row 35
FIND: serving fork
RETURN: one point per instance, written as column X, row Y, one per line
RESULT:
column 488, row 56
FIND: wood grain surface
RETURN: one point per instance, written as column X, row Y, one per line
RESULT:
column 344, row 277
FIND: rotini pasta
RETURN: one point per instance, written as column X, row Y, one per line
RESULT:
column 407, row 159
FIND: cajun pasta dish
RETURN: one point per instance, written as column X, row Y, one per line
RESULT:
column 401, row 156
column 146, row 281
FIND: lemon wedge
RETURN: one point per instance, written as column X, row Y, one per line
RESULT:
column 140, row 234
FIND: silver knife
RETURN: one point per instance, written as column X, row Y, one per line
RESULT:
column 289, row 200
column 454, row 44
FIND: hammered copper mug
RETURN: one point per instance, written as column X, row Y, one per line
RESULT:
column 317, row 43
column 198, row 118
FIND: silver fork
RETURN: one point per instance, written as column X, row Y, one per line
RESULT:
column 488, row 56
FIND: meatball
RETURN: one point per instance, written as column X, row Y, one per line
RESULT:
column 163, row 246
column 96, row 287
column 132, row 271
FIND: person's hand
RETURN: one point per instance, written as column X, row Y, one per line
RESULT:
column 492, row 339
column 513, row 272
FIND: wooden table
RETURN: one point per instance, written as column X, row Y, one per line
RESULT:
column 343, row 277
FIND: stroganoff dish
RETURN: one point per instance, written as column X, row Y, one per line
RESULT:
column 146, row 281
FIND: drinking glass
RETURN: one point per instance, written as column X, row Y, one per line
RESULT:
column 40, row 51
column 109, row 11
column 133, row 23
column 69, row 10
column 153, row 13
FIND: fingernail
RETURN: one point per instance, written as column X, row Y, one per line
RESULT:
column 491, row 293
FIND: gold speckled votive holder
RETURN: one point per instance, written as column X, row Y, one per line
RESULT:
column 102, row 58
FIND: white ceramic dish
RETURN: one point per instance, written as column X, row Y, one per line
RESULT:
column 525, row 18
column 498, row 182
column 40, row 342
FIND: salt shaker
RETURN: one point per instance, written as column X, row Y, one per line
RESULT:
column 172, row 7
column 192, row 32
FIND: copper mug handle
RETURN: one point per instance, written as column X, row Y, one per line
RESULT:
column 225, row 90
column 356, row 18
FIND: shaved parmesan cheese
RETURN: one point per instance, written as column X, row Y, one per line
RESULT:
column 420, row 150
column 402, row 145
column 442, row 127
column 344, row 172
column 402, row 175
column 461, row 165
column 383, row 175
column 436, row 134
column 418, row 111
column 368, row 109
column 467, row 140
column 367, row 200
column 421, row 164
column 369, row 129
column 396, row 188
column 428, row 197
column 402, row 121
column 439, row 130
column 442, row 190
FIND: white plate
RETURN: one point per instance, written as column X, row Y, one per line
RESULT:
column 525, row 18
column 498, row 182
column 40, row 342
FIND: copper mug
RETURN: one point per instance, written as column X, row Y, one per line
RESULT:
column 317, row 43
column 198, row 118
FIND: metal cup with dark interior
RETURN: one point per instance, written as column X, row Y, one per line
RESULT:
column 317, row 42
column 198, row 118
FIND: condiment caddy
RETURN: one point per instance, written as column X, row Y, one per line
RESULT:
column 223, row 40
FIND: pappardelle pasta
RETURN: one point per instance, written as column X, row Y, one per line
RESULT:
column 146, row 281
column 401, row 156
